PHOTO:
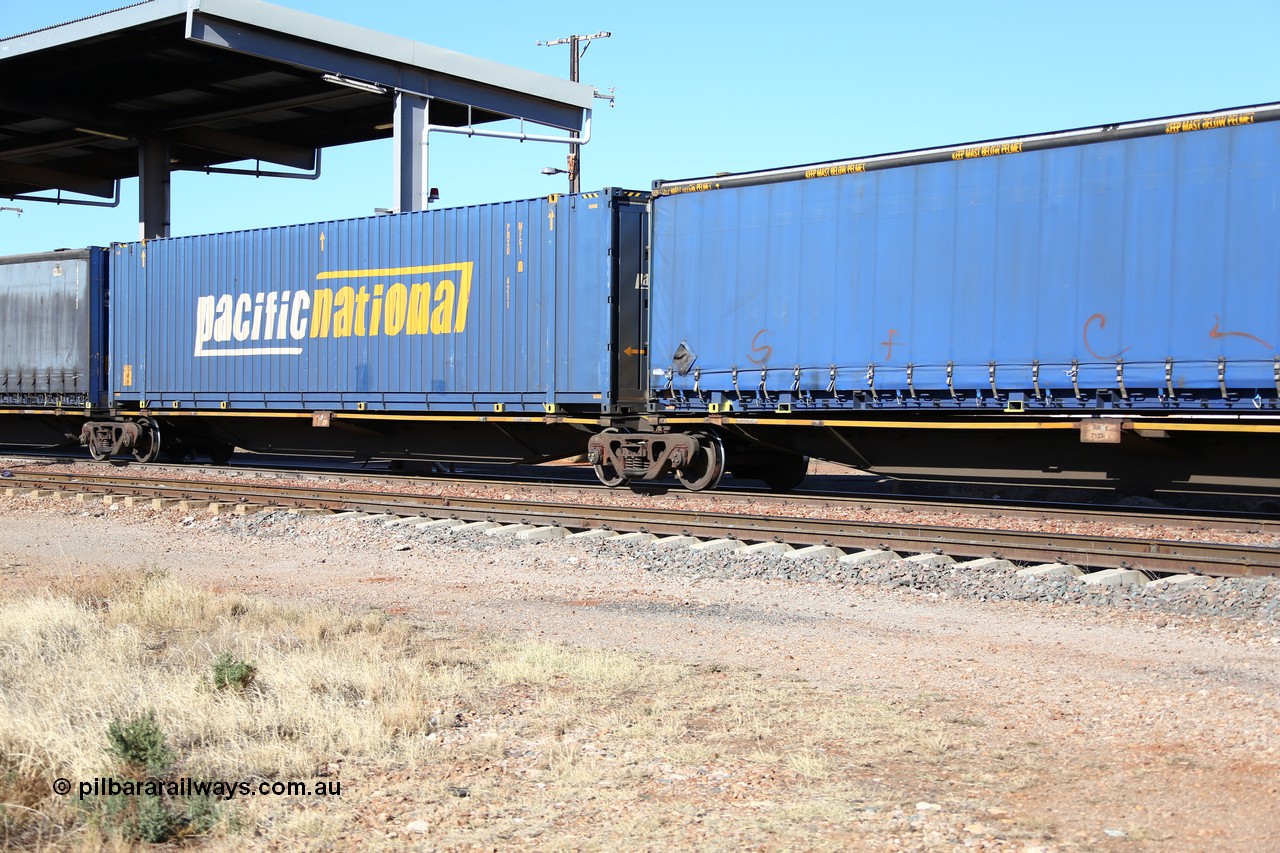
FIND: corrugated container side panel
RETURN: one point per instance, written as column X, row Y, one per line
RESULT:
column 350, row 370
column 503, row 261
column 99, row 301
column 444, row 368
column 489, row 220
column 125, row 291
column 552, row 334
column 539, row 340
column 1141, row 250
column 565, row 267
column 49, row 328
column 501, row 331
column 589, row 273
column 511, row 338
column 452, row 309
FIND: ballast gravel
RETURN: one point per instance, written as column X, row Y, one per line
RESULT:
column 1252, row 600
column 1245, row 599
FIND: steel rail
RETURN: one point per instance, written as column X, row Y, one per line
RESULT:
column 1030, row 546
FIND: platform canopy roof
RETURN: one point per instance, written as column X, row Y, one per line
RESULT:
column 218, row 81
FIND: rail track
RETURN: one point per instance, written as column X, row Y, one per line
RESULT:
column 568, row 480
column 706, row 521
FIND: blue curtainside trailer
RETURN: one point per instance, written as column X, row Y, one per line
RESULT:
column 1094, row 306
column 1131, row 266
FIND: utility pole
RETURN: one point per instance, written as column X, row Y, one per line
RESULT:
column 575, row 151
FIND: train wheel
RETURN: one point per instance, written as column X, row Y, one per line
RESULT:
column 98, row 454
column 220, row 453
column 786, row 472
column 147, row 447
column 707, row 466
column 609, row 475
column 606, row 473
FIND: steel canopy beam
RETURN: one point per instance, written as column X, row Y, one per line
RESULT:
column 327, row 59
column 35, row 178
column 245, row 148
column 69, row 110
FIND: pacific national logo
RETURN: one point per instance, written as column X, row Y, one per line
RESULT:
column 430, row 300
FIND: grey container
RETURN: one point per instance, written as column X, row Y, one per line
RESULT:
column 52, row 328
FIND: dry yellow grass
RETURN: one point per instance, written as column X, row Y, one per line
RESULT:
column 490, row 742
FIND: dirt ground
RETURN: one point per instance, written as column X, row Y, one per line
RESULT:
column 1088, row 729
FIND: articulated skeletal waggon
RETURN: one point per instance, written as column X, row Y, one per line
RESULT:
column 1093, row 306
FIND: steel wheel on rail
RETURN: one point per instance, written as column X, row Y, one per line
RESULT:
column 147, row 447
column 706, row 468
column 98, row 454
column 786, row 471
column 220, row 452
column 606, row 473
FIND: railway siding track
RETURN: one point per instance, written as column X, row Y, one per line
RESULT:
column 1043, row 547
column 993, row 511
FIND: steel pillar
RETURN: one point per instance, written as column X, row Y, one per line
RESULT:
column 411, row 153
column 153, row 188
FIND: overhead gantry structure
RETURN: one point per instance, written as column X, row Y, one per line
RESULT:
column 167, row 85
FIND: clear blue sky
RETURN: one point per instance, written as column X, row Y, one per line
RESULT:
column 708, row 87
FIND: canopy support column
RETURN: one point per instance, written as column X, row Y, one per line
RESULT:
column 411, row 152
column 153, row 188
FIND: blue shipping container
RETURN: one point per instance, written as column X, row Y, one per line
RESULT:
column 1149, row 262
column 463, row 309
